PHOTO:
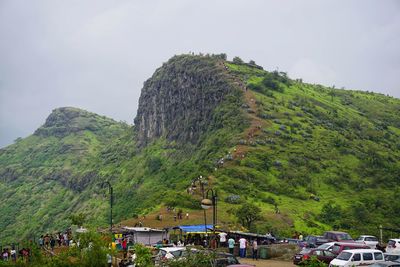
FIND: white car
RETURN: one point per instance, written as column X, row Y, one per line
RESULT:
column 168, row 253
column 392, row 257
column 357, row 257
column 326, row 246
column 369, row 240
column 393, row 246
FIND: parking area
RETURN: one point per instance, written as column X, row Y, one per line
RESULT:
column 269, row 263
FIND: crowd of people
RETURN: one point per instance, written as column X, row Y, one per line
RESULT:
column 11, row 253
column 49, row 241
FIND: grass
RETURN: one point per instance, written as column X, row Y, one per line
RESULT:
column 294, row 140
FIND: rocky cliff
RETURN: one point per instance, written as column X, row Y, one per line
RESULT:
column 178, row 101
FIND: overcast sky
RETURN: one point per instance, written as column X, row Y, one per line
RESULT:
column 96, row 54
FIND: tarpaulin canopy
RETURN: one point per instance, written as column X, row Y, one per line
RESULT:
column 194, row 228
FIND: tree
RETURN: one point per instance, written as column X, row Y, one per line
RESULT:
column 237, row 60
column 78, row 219
column 252, row 62
column 247, row 214
column 330, row 213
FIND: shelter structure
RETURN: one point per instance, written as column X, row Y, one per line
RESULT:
column 144, row 235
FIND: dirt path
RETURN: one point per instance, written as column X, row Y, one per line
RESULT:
column 269, row 263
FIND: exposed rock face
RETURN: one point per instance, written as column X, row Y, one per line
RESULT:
column 177, row 102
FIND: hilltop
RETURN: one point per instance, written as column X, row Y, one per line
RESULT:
column 323, row 157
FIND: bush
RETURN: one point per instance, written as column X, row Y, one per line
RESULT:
column 237, row 60
column 233, row 199
column 143, row 256
column 198, row 259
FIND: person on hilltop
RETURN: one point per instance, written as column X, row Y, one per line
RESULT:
column 5, row 254
column 46, row 240
column 52, row 243
column 41, row 241
column 66, row 241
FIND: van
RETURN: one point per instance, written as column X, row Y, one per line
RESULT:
column 393, row 246
column 357, row 257
column 340, row 246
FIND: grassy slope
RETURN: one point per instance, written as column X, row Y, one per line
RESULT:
column 342, row 146
column 42, row 177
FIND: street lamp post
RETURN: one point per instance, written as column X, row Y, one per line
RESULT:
column 206, row 203
column 193, row 187
column 110, row 190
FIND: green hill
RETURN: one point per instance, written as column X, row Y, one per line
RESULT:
column 285, row 144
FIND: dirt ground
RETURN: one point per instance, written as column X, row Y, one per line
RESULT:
column 269, row 263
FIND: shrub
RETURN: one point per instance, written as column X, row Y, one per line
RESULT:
column 237, row 60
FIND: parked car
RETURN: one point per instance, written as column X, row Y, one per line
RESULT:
column 386, row 264
column 357, row 257
column 392, row 256
column 224, row 259
column 326, row 246
column 340, row 246
column 321, row 254
column 335, row 236
column 393, row 246
column 312, row 241
column 168, row 253
column 241, row 265
column 368, row 240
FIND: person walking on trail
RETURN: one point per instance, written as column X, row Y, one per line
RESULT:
column 242, row 247
column 46, row 240
column 52, row 243
column 231, row 245
column 254, row 247
column 41, row 241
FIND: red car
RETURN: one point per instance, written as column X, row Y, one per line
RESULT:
column 321, row 254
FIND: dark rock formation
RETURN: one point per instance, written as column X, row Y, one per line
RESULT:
column 178, row 101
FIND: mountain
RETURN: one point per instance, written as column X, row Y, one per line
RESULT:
column 323, row 157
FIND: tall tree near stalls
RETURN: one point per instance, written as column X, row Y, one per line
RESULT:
column 247, row 214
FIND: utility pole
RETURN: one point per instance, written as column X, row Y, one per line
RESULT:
column 111, row 191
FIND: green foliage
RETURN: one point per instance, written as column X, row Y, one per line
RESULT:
column 310, row 140
column 154, row 164
column 193, row 259
column 78, row 219
column 143, row 256
column 247, row 214
column 331, row 213
column 313, row 262
column 237, row 60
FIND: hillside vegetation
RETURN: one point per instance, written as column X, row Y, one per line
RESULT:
column 310, row 157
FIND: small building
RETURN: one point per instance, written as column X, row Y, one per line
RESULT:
column 145, row 235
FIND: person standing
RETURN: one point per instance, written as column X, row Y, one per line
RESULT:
column 242, row 247
column 254, row 247
column 41, row 241
column 52, row 243
column 222, row 239
column 231, row 245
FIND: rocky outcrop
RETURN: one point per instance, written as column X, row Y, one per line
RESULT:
column 67, row 120
column 178, row 101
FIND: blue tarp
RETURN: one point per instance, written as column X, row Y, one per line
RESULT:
column 195, row 228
